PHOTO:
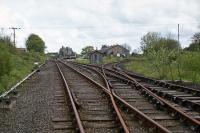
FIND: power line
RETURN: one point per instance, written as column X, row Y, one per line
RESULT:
column 14, row 35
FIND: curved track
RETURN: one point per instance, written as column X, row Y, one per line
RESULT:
column 156, row 109
column 94, row 109
column 183, row 96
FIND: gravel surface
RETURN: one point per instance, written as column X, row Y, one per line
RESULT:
column 33, row 107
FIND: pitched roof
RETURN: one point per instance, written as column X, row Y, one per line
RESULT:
column 110, row 47
column 95, row 51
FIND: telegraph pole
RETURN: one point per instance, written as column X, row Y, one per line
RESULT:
column 178, row 33
column 14, row 35
column 179, row 73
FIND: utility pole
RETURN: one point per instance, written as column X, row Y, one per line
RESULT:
column 179, row 73
column 14, row 35
column 178, row 33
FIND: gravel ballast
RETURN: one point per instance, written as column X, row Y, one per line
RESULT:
column 33, row 108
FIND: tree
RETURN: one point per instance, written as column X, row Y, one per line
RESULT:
column 35, row 43
column 86, row 50
column 196, row 38
column 191, row 63
column 195, row 45
column 149, row 40
column 161, row 51
column 127, row 46
column 155, row 41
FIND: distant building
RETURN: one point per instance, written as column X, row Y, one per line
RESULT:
column 67, row 53
column 21, row 50
column 104, row 48
column 52, row 55
column 96, row 57
column 115, row 50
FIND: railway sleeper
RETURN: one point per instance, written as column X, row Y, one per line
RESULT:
column 155, row 117
column 179, row 99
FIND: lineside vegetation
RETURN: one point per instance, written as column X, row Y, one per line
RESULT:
column 163, row 58
column 15, row 64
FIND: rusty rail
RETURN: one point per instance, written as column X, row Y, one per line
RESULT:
column 107, row 90
column 180, row 100
column 77, row 116
column 151, row 121
column 195, row 123
column 192, row 121
column 158, row 81
column 117, row 110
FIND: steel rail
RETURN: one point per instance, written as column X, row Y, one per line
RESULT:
column 154, row 123
column 173, row 109
column 108, row 91
column 117, row 110
column 146, row 90
column 20, row 82
column 151, row 121
column 77, row 116
column 155, row 81
column 180, row 100
column 194, row 122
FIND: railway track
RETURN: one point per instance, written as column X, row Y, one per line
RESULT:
column 133, row 95
column 94, row 111
column 136, row 120
column 142, row 100
column 86, row 98
column 63, row 119
column 184, row 96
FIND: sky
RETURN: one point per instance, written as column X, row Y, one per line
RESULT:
column 79, row 23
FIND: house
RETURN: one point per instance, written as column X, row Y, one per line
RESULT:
column 95, row 57
column 67, row 53
column 21, row 50
column 115, row 50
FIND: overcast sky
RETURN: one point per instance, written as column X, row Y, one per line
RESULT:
column 77, row 23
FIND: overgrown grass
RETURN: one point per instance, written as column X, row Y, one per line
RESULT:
column 110, row 59
column 146, row 68
column 141, row 66
column 82, row 60
column 21, row 66
column 14, row 65
column 106, row 59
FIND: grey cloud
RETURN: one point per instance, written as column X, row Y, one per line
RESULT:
column 78, row 23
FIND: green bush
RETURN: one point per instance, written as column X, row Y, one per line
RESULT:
column 190, row 63
column 187, row 62
column 14, row 65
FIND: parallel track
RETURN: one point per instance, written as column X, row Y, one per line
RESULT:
column 184, row 96
column 94, row 109
column 67, row 118
column 133, row 94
